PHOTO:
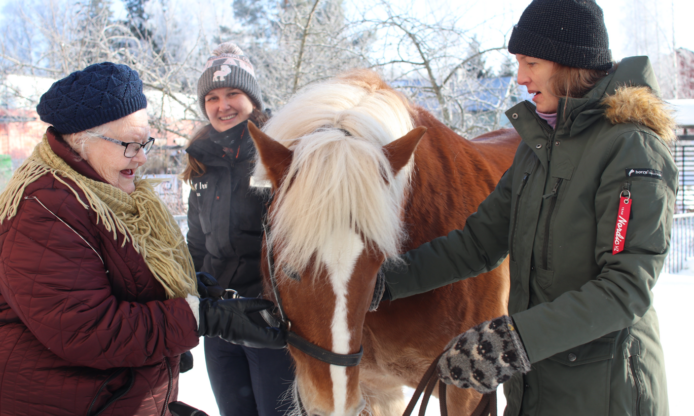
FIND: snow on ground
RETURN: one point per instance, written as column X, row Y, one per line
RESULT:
column 672, row 296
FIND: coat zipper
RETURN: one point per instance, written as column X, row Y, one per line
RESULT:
column 637, row 384
column 552, row 204
column 169, row 388
column 515, row 212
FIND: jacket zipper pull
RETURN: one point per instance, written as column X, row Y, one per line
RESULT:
column 623, row 212
column 525, row 180
column 554, row 190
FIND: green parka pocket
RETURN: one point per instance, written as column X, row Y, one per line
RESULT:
column 576, row 379
column 545, row 278
column 648, row 216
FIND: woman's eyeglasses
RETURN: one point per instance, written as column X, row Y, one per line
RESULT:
column 131, row 148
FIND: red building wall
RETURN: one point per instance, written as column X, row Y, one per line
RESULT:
column 685, row 80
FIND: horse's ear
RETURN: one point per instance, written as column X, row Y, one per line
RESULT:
column 275, row 157
column 399, row 151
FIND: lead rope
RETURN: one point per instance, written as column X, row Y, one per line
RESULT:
column 486, row 406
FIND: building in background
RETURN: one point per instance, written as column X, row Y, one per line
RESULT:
column 683, row 152
column 475, row 105
column 685, row 74
column 21, row 130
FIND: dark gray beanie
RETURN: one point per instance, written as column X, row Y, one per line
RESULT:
column 96, row 95
column 568, row 32
column 229, row 67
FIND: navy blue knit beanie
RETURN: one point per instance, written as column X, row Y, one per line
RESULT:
column 94, row 96
column 568, row 32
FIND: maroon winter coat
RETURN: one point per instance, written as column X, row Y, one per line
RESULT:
column 75, row 333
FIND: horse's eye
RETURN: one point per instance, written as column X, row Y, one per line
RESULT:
column 291, row 273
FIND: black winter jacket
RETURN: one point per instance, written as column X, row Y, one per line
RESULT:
column 224, row 214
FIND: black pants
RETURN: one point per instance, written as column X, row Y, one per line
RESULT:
column 248, row 381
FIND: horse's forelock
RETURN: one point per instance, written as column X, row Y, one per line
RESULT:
column 337, row 189
column 339, row 183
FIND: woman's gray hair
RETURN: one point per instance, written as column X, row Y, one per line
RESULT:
column 78, row 141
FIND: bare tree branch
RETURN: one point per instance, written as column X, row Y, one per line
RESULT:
column 468, row 59
column 26, row 65
column 304, row 36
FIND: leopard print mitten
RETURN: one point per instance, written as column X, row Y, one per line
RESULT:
column 484, row 356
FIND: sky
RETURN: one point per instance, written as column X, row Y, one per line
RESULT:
column 492, row 20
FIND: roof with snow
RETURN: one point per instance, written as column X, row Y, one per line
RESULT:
column 684, row 112
column 477, row 95
column 23, row 92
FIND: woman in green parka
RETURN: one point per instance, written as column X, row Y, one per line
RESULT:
column 584, row 214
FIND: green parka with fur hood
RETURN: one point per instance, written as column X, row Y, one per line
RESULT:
column 584, row 314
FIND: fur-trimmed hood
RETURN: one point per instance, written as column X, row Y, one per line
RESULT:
column 630, row 94
column 641, row 106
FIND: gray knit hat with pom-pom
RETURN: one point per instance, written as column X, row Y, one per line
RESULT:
column 229, row 67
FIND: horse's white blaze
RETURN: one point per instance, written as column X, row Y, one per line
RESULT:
column 341, row 256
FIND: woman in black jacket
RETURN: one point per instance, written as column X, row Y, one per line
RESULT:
column 225, row 229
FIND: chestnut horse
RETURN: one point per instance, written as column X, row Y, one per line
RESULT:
column 348, row 195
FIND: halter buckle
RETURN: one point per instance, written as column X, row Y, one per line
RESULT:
column 230, row 294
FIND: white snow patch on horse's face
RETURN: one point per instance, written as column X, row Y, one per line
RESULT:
column 341, row 255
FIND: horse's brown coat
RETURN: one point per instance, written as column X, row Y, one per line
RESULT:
column 451, row 177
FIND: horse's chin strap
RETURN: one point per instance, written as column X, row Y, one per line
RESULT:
column 293, row 339
column 327, row 356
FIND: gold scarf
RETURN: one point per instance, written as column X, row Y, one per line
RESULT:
column 140, row 217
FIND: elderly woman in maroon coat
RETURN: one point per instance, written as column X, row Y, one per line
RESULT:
column 98, row 295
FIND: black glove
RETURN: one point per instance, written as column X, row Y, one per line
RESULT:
column 186, row 362
column 228, row 319
column 208, row 286
column 484, row 356
column 182, row 409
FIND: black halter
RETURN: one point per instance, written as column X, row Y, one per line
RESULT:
column 293, row 339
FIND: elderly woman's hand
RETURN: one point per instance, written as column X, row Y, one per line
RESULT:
column 186, row 363
column 228, row 319
column 208, row 287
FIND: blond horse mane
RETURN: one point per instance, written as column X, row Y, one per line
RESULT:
column 340, row 183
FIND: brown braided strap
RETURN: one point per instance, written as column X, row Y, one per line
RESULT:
column 486, row 406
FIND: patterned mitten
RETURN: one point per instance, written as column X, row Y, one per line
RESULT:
column 484, row 356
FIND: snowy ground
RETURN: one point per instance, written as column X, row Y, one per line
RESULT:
column 672, row 296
